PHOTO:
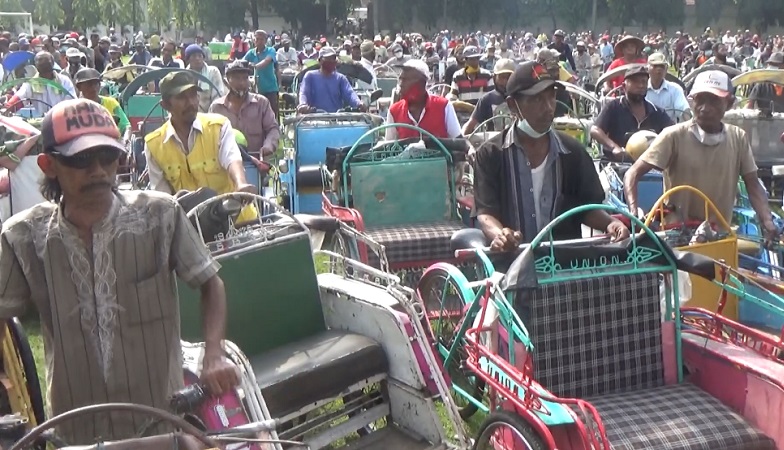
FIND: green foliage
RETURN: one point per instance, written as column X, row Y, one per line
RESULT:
column 760, row 14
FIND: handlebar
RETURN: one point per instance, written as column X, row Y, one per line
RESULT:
column 467, row 252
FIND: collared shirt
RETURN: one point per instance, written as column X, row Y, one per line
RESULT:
column 471, row 90
column 670, row 98
column 619, row 123
column 266, row 79
column 227, row 153
column 174, row 63
column 327, row 92
column 255, row 120
column 109, row 314
column 503, row 186
column 208, row 94
column 46, row 94
column 286, row 56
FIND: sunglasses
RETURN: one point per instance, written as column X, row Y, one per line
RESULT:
column 105, row 157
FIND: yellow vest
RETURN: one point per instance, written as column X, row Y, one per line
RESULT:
column 200, row 168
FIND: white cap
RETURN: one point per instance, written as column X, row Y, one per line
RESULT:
column 715, row 82
column 326, row 52
column 418, row 65
column 73, row 53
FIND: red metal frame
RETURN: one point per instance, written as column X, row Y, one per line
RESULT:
column 713, row 326
column 532, row 401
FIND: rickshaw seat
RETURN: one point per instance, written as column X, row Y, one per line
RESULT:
column 416, row 242
column 320, row 223
column 311, row 176
column 317, row 367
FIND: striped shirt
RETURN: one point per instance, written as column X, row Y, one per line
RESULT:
column 109, row 315
column 470, row 90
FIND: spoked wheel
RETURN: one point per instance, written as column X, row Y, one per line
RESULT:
column 445, row 303
column 22, row 345
column 506, row 430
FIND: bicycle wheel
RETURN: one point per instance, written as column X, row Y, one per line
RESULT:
column 27, row 359
column 506, row 430
column 444, row 295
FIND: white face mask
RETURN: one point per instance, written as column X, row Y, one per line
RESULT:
column 398, row 54
column 709, row 139
column 308, row 47
column 525, row 127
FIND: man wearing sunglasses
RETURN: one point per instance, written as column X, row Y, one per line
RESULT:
column 194, row 150
column 99, row 267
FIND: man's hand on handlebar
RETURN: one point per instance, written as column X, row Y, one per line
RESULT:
column 617, row 231
column 248, row 188
column 506, row 240
column 305, row 109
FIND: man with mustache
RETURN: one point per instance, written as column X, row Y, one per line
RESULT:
column 45, row 95
column 622, row 117
column 193, row 150
column 99, row 267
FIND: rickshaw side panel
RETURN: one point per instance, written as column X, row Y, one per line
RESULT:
column 758, row 392
column 313, row 138
column 141, row 106
column 264, row 311
column 386, row 198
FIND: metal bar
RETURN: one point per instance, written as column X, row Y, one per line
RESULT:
column 351, row 425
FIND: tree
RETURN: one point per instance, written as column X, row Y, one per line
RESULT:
column 86, row 13
column 622, row 11
column 759, row 14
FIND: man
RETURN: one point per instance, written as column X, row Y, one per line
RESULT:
column 627, row 51
column 398, row 58
column 451, row 69
column 582, row 61
column 285, row 54
column 720, row 55
column 489, row 59
column 769, row 97
column 262, row 58
column 115, row 60
column 367, row 52
column 155, row 45
column 248, row 112
column 308, row 55
column 665, row 94
column 75, row 58
column 99, row 47
column 622, row 117
column 204, row 46
column 167, row 58
column 88, row 83
column 707, row 154
column 606, row 51
column 560, row 46
column 195, row 58
column 471, row 82
column 98, row 265
column 596, row 64
column 193, row 150
column 529, row 174
column 46, row 95
column 326, row 89
column 549, row 59
column 431, row 113
column 493, row 102
column 140, row 57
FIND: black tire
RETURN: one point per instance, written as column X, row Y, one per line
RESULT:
column 22, row 346
column 431, row 287
column 520, row 427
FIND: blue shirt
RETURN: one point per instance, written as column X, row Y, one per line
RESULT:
column 266, row 80
column 670, row 98
column 327, row 92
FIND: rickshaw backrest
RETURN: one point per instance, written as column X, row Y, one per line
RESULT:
column 595, row 336
column 139, row 106
column 404, row 191
column 313, row 138
column 272, row 295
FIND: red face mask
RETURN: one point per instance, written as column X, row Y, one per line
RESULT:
column 329, row 66
column 414, row 92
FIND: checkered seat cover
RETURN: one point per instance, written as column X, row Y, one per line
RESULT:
column 419, row 242
column 600, row 339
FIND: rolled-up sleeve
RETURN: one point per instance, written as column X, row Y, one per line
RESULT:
column 189, row 257
column 14, row 289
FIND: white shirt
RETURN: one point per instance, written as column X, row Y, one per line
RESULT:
column 537, row 177
column 670, row 98
column 452, row 125
column 208, row 94
column 228, row 152
column 284, row 56
column 46, row 94
column 369, row 66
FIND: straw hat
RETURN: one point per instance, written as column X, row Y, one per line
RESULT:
column 625, row 40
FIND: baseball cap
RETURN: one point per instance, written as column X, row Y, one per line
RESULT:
column 176, row 83
column 504, row 65
column 657, row 59
column 418, row 65
column 73, row 53
column 714, row 82
column 76, row 125
column 86, row 74
column 326, row 52
column 471, row 52
column 530, row 78
column 636, row 70
column 367, row 46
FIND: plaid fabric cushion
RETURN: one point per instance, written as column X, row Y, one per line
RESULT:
column 681, row 417
column 595, row 336
column 412, row 243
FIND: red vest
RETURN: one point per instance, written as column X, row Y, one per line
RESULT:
column 433, row 121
